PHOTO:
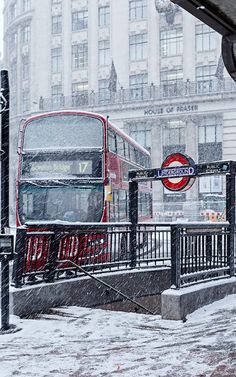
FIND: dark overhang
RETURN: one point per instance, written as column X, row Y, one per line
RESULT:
column 220, row 15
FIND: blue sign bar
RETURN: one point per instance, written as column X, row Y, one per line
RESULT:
column 176, row 171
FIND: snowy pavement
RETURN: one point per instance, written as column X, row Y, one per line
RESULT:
column 82, row 342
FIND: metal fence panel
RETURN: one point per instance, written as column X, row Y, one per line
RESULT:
column 54, row 254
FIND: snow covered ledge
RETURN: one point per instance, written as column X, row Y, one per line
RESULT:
column 176, row 304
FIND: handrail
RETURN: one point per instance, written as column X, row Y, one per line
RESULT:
column 105, row 284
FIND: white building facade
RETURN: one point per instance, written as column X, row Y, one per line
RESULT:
column 169, row 90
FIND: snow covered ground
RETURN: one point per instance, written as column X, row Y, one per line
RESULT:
column 82, row 342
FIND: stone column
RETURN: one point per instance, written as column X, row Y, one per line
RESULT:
column 153, row 44
column 191, row 207
column 189, row 45
column 229, row 136
column 93, row 45
column 156, row 133
column 119, row 47
column 66, row 48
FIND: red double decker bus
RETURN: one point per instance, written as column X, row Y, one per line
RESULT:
column 73, row 168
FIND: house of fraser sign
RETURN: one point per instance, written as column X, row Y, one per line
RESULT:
column 170, row 109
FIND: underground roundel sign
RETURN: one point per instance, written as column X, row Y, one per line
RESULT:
column 180, row 166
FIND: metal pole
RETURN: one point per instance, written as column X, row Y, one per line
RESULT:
column 5, row 103
column 175, row 256
column 133, row 218
column 5, row 311
column 230, row 217
column 4, row 195
column 20, row 250
column 49, row 273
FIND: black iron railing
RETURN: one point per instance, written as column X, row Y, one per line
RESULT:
column 178, row 89
column 194, row 252
column 47, row 255
column 200, row 252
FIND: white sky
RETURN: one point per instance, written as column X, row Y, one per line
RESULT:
column 82, row 342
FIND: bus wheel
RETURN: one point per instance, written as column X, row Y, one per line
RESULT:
column 123, row 247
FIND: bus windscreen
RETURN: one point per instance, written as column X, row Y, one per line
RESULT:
column 78, row 203
column 63, row 132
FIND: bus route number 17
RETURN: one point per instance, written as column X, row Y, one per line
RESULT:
column 85, row 167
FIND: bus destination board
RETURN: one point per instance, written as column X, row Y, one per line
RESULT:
column 57, row 167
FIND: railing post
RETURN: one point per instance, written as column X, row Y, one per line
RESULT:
column 50, row 267
column 230, row 216
column 5, row 301
column 209, row 249
column 18, row 262
column 175, row 256
column 133, row 217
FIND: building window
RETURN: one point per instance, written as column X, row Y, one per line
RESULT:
column 57, row 96
column 80, row 56
column 137, row 10
column 171, row 42
column 26, row 5
column 206, row 79
column 138, row 47
column 104, row 16
column 56, row 62
column 25, row 67
column 25, row 101
column 25, row 34
column 174, row 133
column 79, row 20
column 104, row 52
column 137, row 84
column 205, row 38
column 209, row 130
column 172, row 83
column 209, row 149
column 211, row 185
column 56, row 24
column 79, row 93
column 103, row 91
column 141, row 132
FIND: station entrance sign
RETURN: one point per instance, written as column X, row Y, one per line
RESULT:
column 177, row 172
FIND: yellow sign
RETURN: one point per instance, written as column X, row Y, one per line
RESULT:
column 108, row 193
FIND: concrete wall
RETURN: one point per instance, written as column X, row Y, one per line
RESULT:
column 150, row 288
column 176, row 304
column 84, row 291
